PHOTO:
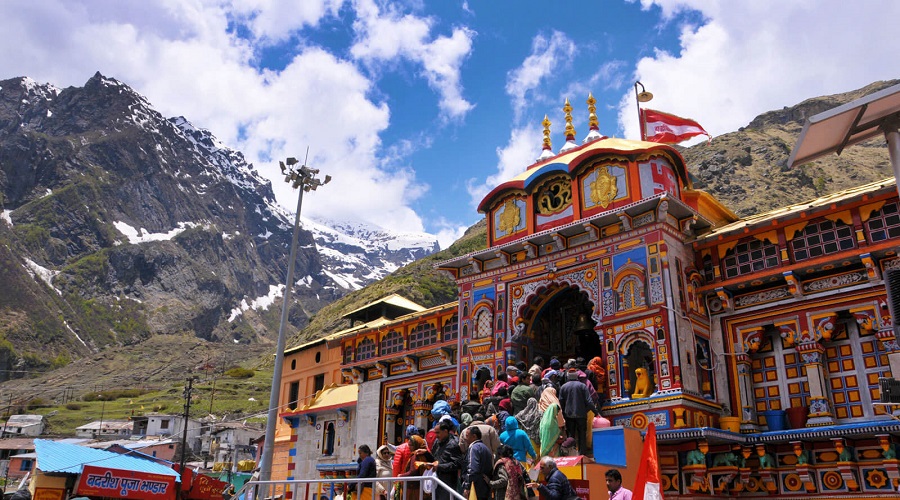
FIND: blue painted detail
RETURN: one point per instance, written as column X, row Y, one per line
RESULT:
column 292, row 452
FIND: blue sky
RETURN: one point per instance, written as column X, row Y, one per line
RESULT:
column 416, row 108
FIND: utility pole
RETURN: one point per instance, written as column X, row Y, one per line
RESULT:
column 187, row 412
column 304, row 179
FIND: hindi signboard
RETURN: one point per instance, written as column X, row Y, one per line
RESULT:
column 117, row 483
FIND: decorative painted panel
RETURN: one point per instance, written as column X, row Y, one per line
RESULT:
column 602, row 186
column 657, row 176
column 509, row 218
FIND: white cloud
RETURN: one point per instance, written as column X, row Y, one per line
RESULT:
column 752, row 57
column 520, row 151
column 389, row 34
column 546, row 55
column 448, row 232
column 276, row 20
column 182, row 56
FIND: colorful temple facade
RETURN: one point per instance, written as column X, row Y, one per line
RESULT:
column 754, row 345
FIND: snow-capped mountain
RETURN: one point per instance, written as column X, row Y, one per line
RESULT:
column 354, row 254
column 119, row 224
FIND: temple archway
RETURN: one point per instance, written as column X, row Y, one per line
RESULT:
column 560, row 323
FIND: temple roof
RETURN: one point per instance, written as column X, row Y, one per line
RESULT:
column 887, row 186
column 572, row 158
column 330, row 398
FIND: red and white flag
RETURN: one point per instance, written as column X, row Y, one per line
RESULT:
column 669, row 129
column 647, row 484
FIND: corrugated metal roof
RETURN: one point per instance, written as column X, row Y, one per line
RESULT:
column 53, row 456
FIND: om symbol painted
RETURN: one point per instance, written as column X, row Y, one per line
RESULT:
column 554, row 197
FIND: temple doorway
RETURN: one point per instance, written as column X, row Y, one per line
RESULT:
column 563, row 327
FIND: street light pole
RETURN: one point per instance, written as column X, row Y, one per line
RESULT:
column 304, row 179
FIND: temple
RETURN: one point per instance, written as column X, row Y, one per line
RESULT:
column 755, row 345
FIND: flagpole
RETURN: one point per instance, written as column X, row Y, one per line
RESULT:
column 639, row 97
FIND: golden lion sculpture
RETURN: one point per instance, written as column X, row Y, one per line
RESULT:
column 642, row 386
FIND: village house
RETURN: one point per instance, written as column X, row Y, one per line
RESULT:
column 24, row 425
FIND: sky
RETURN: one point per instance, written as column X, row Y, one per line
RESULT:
column 417, row 109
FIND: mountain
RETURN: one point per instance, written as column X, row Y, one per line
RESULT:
column 355, row 254
column 747, row 169
column 118, row 225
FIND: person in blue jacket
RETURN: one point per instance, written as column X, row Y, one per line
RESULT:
column 518, row 440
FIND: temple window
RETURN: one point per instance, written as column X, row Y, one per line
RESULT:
column 424, row 334
column 328, row 439
column 884, row 223
column 391, row 343
column 704, row 368
column 822, row 238
column 484, row 324
column 709, row 273
column 631, row 293
column 348, row 354
column 854, row 361
column 451, row 329
column 749, row 257
column 777, row 374
column 640, row 368
column 365, row 350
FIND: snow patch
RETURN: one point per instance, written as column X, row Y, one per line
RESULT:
column 73, row 333
column 258, row 303
column 5, row 215
column 136, row 236
column 44, row 274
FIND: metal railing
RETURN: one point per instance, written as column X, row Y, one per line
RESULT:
column 328, row 488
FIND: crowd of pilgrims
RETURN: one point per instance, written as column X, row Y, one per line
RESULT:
column 484, row 447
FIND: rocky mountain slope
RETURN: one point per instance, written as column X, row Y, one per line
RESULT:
column 119, row 224
column 747, row 169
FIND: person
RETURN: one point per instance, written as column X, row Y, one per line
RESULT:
column 448, row 459
column 614, row 485
column 402, row 453
column 538, row 367
column 489, row 436
column 530, row 421
column 508, row 479
column 419, row 455
column 557, row 485
column 499, row 384
column 520, row 396
column 552, row 421
column 384, row 457
column 479, row 469
column 365, row 468
column 576, row 401
column 518, row 440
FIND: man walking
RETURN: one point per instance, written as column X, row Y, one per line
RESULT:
column 480, row 467
column 575, row 399
column 448, row 459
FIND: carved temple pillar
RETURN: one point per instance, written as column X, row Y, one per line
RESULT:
column 423, row 411
column 820, row 411
column 390, row 419
column 745, row 390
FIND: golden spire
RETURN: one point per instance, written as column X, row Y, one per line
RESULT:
column 570, row 130
column 546, row 124
column 592, row 108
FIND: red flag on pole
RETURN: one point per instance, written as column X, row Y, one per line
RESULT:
column 647, row 484
column 667, row 128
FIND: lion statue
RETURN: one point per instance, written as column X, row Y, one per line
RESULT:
column 642, row 385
